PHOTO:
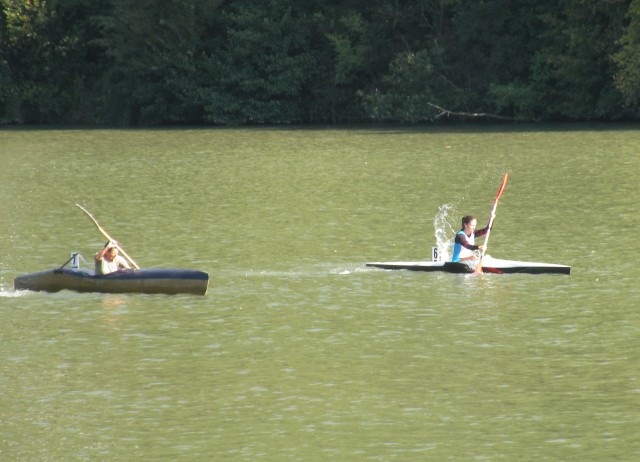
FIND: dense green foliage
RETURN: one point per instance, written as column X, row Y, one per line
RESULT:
column 143, row 62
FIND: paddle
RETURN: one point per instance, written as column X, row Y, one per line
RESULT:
column 478, row 268
column 104, row 233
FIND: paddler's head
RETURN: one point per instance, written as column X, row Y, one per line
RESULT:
column 469, row 224
column 112, row 251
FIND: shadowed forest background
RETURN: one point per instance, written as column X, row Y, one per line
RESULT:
column 215, row 62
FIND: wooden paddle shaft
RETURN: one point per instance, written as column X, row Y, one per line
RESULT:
column 105, row 234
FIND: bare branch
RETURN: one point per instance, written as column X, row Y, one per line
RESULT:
column 448, row 113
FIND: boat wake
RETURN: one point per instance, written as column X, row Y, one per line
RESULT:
column 12, row 293
column 318, row 270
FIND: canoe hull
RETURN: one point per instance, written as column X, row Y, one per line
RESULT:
column 489, row 265
column 144, row 281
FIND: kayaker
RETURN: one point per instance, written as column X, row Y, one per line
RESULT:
column 108, row 260
column 464, row 243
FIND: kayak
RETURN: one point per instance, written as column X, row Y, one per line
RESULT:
column 489, row 265
column 137, row 280
column 141, row 281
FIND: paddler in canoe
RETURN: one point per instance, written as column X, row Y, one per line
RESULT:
column 108, row 261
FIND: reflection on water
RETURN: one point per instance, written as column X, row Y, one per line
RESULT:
column 298, row 351
column 114, row 307
column 114, row 301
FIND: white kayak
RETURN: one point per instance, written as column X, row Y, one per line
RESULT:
column 489, row 265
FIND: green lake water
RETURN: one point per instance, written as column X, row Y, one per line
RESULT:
column 298, row 352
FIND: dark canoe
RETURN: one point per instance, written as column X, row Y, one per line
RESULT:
column 489, row 265
column 142, row 281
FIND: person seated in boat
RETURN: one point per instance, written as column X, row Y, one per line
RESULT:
column 108, row 260
column 464, row 243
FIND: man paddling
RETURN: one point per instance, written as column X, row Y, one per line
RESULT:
column 108, row 260
column 464, row 243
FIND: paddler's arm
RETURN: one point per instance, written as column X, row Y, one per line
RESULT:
column 462, row 240
column 481, row 232
column 122, row 263
column 100, row 255
column 484, row 231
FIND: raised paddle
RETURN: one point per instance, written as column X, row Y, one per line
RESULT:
column 104, row 233
column 478, row 268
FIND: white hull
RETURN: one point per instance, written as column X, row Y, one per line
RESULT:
column 489, row 265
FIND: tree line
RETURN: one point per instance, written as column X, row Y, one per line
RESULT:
column 237, row 62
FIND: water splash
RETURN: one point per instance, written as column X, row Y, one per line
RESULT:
column 443, row 230
column 11, row 293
